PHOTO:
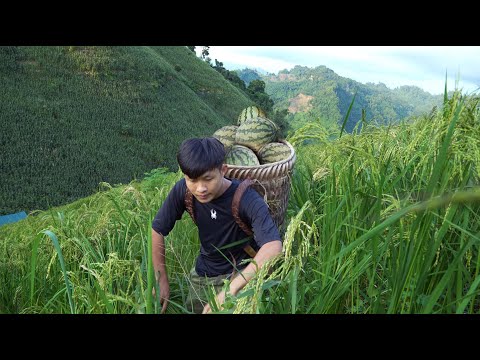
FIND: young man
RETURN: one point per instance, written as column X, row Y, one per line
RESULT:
column 202, row 163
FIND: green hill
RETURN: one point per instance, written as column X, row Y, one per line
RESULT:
column 319, row 93
column 72, row 117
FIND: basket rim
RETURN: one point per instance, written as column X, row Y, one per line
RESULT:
column 263, row 166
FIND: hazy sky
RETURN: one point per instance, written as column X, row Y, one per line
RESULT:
column 423, row 66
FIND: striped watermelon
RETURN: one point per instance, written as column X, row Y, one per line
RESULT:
column 250, row 113
column 256, row 132
column 241, row 155
column 273, row 152
column 226, row 135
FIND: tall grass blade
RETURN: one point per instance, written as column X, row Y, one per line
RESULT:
column 292, row 289
column 445, row 94
column 119, row 209
column 437, row 292
column 33, row 265
column 347, row 115
column 469, row 296
column 56, row 244
column 104, row 298
column 150, row 270
column 442, row 156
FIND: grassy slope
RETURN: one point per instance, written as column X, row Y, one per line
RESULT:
column 207, row 84
column 360, row 239
column 72, row 117
column 102, row 237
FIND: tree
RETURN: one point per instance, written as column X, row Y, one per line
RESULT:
column 256, row 86
column 256, row 92
column 279, row 117
column 230, row 75
column 205, row 54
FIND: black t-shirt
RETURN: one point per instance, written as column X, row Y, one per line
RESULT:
column 217, row 227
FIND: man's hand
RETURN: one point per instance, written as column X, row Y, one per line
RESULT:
column 164, row 293
column 220, row 300
column 266, row 252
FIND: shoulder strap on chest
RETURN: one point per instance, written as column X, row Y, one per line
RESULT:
column 236, row 210
column 236, row 205
column 189, row 205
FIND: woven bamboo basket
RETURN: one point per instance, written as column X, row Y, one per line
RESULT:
column 273, row 183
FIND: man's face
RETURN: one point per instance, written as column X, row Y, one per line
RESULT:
column 208, row 186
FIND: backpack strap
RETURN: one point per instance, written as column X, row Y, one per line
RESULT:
column 236, row 205
column 189, row 205
column 236, row 209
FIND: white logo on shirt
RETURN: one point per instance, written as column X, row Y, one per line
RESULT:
column 213, row 214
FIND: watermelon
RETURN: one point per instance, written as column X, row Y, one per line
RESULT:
column 241, row 155
column 256, row 132
column 250, row 113
column 226, row 135
column 273, row 152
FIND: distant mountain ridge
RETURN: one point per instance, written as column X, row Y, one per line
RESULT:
column 312, row 93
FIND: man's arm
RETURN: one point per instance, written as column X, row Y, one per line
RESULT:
column 158, row 258
column 266, row 252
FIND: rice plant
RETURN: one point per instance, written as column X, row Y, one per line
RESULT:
column 383, row 220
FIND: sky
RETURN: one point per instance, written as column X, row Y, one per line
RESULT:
column 394, row 66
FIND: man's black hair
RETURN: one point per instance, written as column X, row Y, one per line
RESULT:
column 196, row 156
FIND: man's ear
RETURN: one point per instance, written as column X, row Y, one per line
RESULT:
column 224, row 169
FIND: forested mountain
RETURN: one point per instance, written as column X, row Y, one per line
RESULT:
column 319, row 93
column 248, row 75
column 74, row 116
